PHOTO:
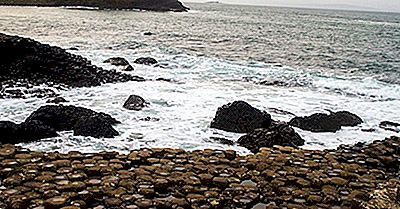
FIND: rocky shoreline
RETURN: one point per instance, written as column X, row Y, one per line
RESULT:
column 359, row 176
column 152, row 5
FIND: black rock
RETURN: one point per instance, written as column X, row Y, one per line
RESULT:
column 73, row 49
column 94, row 126
column 25, row 61
column 129, row 68
column 63, row 118
column 146, row 61
column 135, row 102
column 390, row 126
column 35, row 130
column 240, row 117
column 8, row 131
column 148, row 33
column 56, row 100
column 278, row 133
column 321, row 122
column 117, row 61
column 25, row 132
column 222, row 140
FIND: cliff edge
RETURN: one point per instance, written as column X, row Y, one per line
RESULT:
column 151, row 5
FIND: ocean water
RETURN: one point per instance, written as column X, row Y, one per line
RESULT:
column 215, row 54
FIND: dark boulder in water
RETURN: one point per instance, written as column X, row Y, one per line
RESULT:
column 63, row 118
column 135, row 102
column 321, row 122
column 117, row 61
column 146, row 61
column 25, row 132
column 56, row 100
column 94, row 126
column 30, row 62
column 240, row 117
column 279, row 133
column 390, row 126
column 222, row 141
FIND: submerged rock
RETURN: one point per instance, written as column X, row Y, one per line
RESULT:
column 240, row 117
column 390, row 126
column 117, row 61
column 146, row 61
column 63, row 118
column 56, row 100
column 135, row 102
column 278, row 133
column 321, row 122
column 94, row 126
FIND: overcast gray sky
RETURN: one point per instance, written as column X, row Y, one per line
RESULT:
column 384, row 5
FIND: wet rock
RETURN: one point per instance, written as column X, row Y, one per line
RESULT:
column 148, row 33
column 56, row 100
column 321, row 122
column 25, row 132
column 240, row 117
column 94, row 126
column 146, row 61
column 27, row 62
column 135, row 102
column 390, row 126
column 55, row 202
column 63, row 118
column 277, row 134
column 222, row 140
column 117, row 61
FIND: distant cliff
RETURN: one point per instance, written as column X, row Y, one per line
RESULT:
column 153, row 5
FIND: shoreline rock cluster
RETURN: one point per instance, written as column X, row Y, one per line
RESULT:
column 150, row 5
column 278, row 177
column 28, row 63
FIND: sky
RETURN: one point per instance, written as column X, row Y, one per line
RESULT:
column 380, row 5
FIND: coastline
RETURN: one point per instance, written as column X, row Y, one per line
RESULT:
column 349, row 177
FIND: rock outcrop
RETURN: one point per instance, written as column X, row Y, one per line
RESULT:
column 279, row 133
column 390, row 126
column 321, row 122
column 25, row 62
column 146, row 61
column 151, row 5
column 135, row 102
column 11, row 133
column 119, row 61
column 95, row 126
column 240, row 117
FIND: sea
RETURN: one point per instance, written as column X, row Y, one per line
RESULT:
column 287, row 61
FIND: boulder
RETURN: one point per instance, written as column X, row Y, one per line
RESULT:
column 63, row 118
column 240, row 117
column 146, row 61
column 94, row 126
column 12, row 133
column 117, row 61
column 56, row 100
column 321, row 122
column 135, row 102
column 390, row 126
column 27, row 62
column 279, row 133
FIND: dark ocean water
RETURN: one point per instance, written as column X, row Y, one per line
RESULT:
column 318, row 60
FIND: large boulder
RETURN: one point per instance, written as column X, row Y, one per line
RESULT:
column 279, row 133
column 146, row 61
column 321, row 122
column 117, row 61
column 94, row 126
column 63, row 118
column 240, row 117
column 28, row 62
column 135, row 102
column 12, row 133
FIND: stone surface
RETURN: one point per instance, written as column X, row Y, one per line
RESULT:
column 56, row 100
column 135, row 102
column 321, row 122
column 146, row 61
column 277, row 134
column 240, row 117
column 94, row 126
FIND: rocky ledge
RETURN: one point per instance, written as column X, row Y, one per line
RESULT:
column 27, row 63
column 151, row 5
column 358, row 176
